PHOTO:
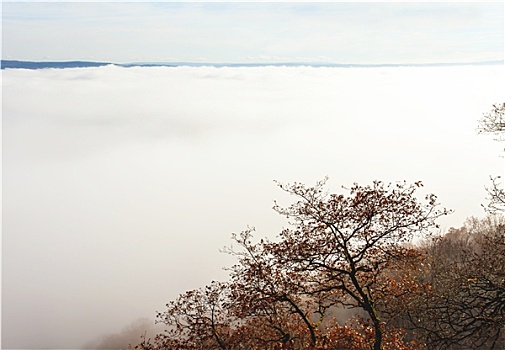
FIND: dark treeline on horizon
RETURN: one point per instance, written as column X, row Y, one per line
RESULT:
column 17, row 64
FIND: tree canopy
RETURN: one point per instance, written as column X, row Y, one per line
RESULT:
column 342, row 251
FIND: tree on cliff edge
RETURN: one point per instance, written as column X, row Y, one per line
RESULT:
column 345, row 250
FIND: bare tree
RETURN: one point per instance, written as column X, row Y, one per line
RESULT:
column 463, row 306
column 493, row 122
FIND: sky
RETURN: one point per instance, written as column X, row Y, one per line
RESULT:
column 120, row 186
column 337, row 32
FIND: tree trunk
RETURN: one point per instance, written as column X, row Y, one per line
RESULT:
column 378, row 335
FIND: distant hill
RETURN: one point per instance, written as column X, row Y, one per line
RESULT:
column 83, row 64
column 41, row 65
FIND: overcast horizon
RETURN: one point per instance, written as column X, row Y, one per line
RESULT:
column 338, row 32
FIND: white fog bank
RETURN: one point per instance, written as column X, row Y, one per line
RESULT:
column 120, row 185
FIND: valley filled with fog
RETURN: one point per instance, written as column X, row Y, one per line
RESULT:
column 121, row 185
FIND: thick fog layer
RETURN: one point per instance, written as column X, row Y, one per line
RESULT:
column 120, row 185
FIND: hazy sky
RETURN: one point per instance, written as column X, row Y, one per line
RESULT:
column 339, row 32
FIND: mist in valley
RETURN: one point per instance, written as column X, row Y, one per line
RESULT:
column 121, row 185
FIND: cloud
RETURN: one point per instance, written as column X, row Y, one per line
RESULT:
column 120, row 185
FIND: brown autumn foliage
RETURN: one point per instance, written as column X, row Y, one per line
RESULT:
column 463, row 303
column 342, row 251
